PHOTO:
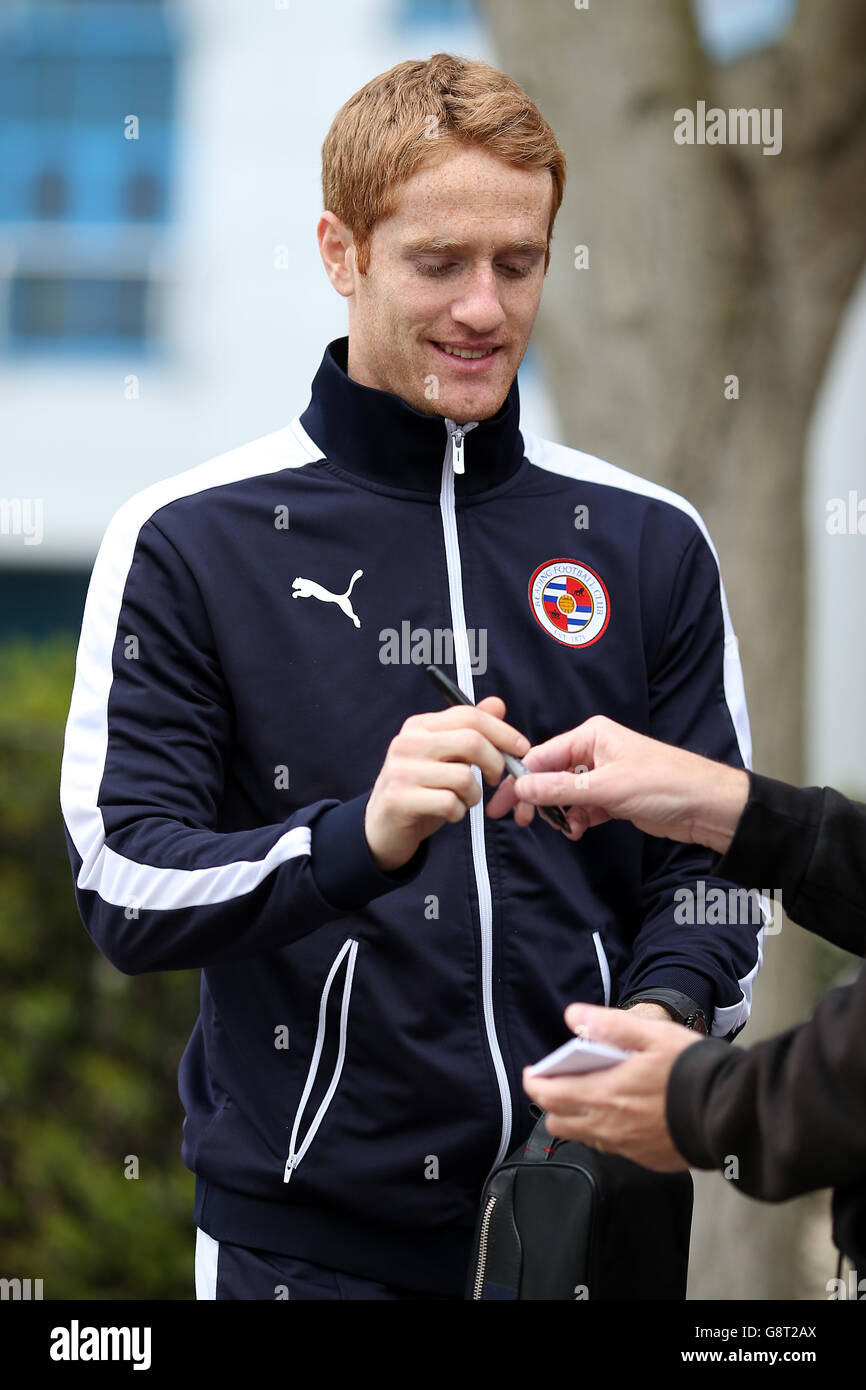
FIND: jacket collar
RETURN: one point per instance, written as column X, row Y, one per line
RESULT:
column 383, row 440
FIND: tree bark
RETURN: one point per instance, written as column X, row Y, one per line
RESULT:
column 708, row 262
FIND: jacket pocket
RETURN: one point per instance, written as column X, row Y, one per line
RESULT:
column 603, row 967
column 298, row 1147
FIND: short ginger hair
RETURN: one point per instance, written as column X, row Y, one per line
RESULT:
column 382, row 135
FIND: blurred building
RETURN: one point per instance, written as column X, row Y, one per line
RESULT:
column 162, row 299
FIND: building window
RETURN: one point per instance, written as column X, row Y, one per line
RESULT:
column 49, row 194
column 87, row 125
column 143, row 197
column 77, row 311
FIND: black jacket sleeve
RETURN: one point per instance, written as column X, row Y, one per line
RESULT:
column 792, row 1109
column 810, row 842
column 160, row 881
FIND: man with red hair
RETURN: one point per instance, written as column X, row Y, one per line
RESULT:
column 258, row 779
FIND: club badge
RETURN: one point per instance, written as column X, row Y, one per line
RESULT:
column 570, row 602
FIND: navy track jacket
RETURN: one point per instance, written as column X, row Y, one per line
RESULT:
column 255, row 634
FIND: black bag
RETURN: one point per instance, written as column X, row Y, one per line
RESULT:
column 559, row 1220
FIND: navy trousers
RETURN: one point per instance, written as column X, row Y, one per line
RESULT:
column 233, row 1271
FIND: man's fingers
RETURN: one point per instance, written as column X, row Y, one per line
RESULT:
column 503, row 800
column 614, row 1026
column 571, row 1095
column 492, row 704
column 554, row 789
column 524, row 813
column 502, row 735
column 441, row 775
column 467, row 746
column 436, row 804
column 572, row 749
column 579, row 821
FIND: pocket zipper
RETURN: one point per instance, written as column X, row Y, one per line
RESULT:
column 350, row 948
column 603, row 966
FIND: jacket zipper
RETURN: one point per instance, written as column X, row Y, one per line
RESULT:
column 350, row 948
column 604, row 968
column 454, row 463
column 483, row 1237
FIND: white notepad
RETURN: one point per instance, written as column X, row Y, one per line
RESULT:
column 578, row 1055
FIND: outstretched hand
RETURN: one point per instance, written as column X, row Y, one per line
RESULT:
column 602, row 771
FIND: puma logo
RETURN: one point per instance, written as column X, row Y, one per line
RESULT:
column 308, row 588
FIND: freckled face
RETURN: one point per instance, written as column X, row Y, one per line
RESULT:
column 459, row 263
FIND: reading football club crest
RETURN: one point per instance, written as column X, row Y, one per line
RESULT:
column 570, row 602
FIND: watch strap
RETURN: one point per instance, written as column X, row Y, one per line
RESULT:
column 681, row 1007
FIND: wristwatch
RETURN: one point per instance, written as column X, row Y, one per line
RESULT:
column 681, row 1008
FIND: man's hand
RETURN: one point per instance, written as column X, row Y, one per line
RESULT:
column 427, row 777
column 645, row 1008
column 602, row 771
column 622, row 1109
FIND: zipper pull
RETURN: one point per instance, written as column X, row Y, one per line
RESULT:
column 458, row 435
column 457, row 441
column 290, row 1167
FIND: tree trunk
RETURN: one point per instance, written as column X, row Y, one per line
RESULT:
column 708, row 262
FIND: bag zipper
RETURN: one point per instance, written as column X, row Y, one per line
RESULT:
column 350, row 948
column 483, row 1237
column 454, row 463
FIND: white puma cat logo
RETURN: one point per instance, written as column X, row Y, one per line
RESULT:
column 308, row 588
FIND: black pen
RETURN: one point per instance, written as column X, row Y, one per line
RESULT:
column 454, row 695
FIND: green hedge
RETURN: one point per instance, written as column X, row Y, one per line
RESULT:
column 88, row 1056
